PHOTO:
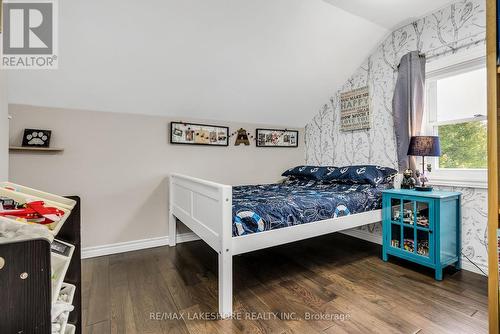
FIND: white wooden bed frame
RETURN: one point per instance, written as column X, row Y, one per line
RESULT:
column 206, row 208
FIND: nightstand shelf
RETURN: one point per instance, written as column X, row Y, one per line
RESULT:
column 422, row 227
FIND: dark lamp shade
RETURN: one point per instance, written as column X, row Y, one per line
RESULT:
column 424, row 146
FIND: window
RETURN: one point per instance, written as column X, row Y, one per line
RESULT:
column 456, row 112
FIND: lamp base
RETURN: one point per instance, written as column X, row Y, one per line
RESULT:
column 423, row 188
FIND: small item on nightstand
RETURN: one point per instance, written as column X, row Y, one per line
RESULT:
column 408, row 180
column 398, row 179
column 424, row 146
column 417, row 178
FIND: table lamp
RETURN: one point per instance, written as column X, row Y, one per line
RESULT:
column 424, row 146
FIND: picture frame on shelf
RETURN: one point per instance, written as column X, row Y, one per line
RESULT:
column 198, row 134
column 36, row 138
column 277, row 138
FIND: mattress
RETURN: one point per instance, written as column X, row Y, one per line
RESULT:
column 258, row 208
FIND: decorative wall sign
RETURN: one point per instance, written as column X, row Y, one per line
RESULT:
column 241, row 137
column 355, row 110
column 277, row 138
column 198, row 134
column 36, row 138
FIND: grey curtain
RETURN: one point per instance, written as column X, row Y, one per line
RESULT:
column 408, row 105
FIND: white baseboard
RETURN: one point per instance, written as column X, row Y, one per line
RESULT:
column 377, row 239
column 129, row 246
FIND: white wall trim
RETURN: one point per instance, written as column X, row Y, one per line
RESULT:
column 457, row 177
column 377, row 239
column 128, row 246
column 460, row 183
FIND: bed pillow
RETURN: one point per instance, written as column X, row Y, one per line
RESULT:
column 363, row 174
column 308, row 172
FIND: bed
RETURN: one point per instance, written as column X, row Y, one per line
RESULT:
column 241, row 219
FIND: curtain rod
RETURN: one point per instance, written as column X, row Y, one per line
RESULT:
column 440, row 54
column 452, row 50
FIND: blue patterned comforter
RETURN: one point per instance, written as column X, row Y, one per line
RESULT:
column 259, row 208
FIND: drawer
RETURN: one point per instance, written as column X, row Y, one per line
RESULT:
column 66, row 295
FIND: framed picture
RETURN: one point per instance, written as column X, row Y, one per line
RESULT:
column 277, row 138
column 355, row 110
column 36, row 138
column 198, row 134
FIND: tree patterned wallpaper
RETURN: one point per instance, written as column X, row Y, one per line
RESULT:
column 451, row 30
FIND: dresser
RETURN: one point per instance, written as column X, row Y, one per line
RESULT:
column 422, row 227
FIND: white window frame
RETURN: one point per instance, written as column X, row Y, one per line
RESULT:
column 437, row 69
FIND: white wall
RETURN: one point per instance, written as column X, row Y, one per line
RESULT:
column 118, row 164
column 260, row 61
column 4, row 128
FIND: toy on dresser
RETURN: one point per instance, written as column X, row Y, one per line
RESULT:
column 408, row 181
column 29, row 212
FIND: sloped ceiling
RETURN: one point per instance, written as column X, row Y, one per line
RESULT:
column 389, row 14
column 260, row 61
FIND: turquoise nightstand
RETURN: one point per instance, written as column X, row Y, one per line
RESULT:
column 423, row 227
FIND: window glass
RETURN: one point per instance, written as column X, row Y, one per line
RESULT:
column 463, row 145
column 461, row 96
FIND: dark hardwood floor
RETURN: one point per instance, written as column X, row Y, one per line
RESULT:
column 335, row 277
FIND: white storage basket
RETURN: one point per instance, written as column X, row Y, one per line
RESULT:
column 23, row 194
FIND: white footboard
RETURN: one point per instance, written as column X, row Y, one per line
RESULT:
column 206, row 208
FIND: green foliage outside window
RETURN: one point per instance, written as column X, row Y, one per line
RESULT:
column 463, row 145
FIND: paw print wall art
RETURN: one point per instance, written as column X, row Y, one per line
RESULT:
column 36, row 138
